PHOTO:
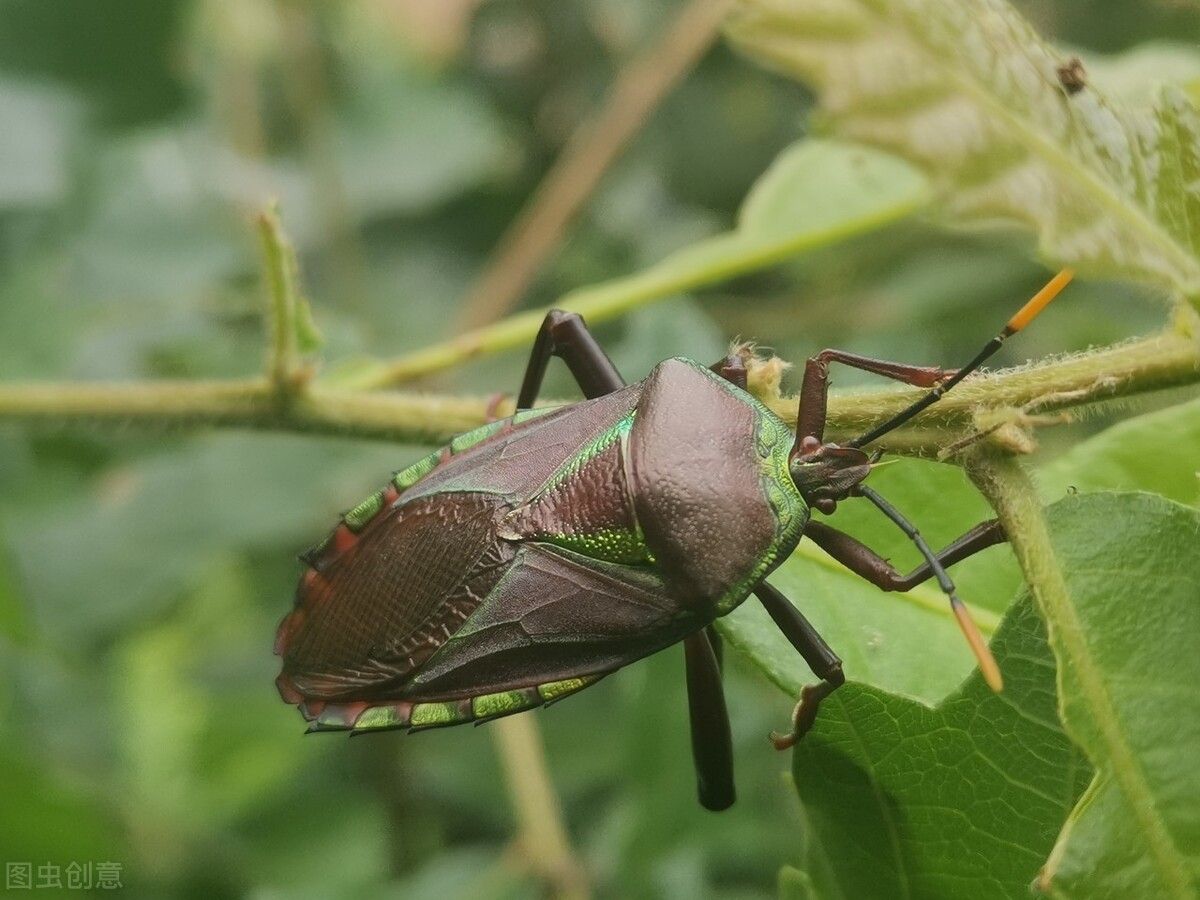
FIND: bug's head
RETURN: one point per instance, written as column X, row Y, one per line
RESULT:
column 827, row 473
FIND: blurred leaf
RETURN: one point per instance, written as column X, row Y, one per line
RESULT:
column 43, row 817
column 969, row 93
column 816, row 193
column 1134, row 76
column 412, row 143
column 15, row 623
column 1158, row 451
column 1134, row 575
column 911, row 801
column 40, row 123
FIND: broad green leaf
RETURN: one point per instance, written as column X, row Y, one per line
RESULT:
column 1003, row 773
column 1129, row 696
column 909, row 801
column 1158, row 452
column 969, row 93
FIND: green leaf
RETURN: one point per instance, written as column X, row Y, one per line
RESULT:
column 969, row 93
column 1158, row 452
column 909, row 801
column 1129, row 696
column 1003, row 772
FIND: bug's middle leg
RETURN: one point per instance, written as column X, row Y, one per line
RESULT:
column 712, row 742
column 865, row 562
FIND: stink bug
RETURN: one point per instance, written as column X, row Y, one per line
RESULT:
column 537, row 554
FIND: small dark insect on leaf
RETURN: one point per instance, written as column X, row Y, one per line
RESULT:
column 1072, row 76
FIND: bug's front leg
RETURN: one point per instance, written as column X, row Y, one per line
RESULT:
column 814, row 390
column 866, row 563
column 820, row 657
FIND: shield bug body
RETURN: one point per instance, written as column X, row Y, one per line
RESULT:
column 537, row 554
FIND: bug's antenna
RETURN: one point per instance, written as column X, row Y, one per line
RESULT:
column 1024, row 316
column 987, row 662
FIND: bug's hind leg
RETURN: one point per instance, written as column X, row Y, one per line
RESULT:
column 819, row 655
column 712, row 743
column 566, row 335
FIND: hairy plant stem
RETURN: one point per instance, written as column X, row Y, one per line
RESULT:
column 1009, row 402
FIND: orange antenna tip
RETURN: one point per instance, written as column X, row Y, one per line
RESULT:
column 1039, row 301
column 987, row 663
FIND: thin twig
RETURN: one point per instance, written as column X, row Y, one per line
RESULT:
column 542, row 839
column 590, row 151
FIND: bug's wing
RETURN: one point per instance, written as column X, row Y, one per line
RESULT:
column 553, row 615
column 368, row 615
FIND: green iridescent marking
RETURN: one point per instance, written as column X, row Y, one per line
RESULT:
column 788, row 509
column 475, row 436
column 524, row 415
column 357, row 519
column 553, row 690
column 612, row 544
column 779, row 503
column 406, row 478
column 426, row 714
column 380, row 717
column 487, row 706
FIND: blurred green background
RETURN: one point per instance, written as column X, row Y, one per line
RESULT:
column 142, row 574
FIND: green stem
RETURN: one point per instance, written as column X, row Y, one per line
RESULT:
column 543, row 837
column 1162, row 361
column 279, row 263
column 402, row 418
